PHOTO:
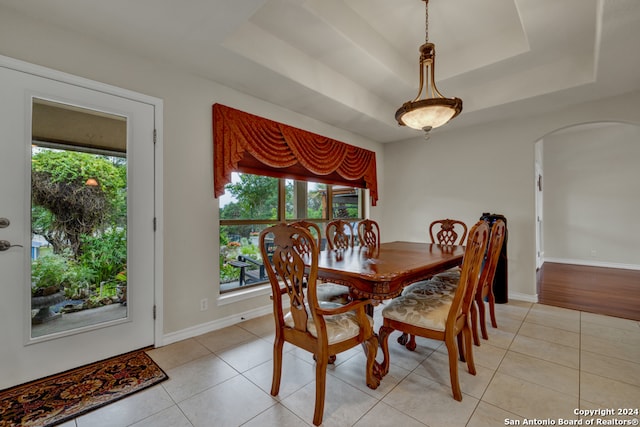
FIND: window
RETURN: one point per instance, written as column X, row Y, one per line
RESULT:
column 252, row 203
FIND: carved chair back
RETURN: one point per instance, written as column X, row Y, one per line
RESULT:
column 339, row 234
column 448, row 232
column 369, row 233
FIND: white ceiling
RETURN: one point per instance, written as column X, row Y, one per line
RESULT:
column 352, row 63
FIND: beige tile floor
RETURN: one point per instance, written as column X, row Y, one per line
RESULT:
column 543, row 363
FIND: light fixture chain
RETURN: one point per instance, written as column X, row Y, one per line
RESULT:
column 434, row 110
column 426, row 21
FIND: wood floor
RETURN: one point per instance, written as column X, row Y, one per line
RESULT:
column 609, row 291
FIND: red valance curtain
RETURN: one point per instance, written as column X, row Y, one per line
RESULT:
column 246, row 143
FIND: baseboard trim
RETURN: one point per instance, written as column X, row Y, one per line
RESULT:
column 593, row 263
column 234, row 319
column 214, row 325
column 523, row 297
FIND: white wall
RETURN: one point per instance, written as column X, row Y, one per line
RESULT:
column 190, row 210
column 488, row 168
column 592, row 195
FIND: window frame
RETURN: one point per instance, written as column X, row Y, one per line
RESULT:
column 282, row 217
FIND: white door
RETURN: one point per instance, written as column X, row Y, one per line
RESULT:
column 23, row 356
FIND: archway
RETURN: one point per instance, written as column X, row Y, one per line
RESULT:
column 587, row 191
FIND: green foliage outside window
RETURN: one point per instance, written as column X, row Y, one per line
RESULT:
column 48, row 274
column 79, row 206
column 64, row 207
column 105, row 254
column 257, row 198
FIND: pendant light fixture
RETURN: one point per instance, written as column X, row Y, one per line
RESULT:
column 434, row 109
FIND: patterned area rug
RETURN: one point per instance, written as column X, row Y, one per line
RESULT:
column 53, row 400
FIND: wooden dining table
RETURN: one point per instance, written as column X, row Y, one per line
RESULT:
column 382, row 272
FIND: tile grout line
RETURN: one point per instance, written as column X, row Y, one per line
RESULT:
column 481, row 399
column 580, row 362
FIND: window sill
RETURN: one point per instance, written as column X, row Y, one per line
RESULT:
column 244, row 294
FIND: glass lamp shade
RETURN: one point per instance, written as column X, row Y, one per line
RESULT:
column 427, row 114
column 434, row 110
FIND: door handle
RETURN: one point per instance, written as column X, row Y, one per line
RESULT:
column 4, row 222
column 5, row 245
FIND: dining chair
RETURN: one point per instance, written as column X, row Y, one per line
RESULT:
column 327, row 291
column 320, row 328
column 339, row 234
column 368, row 233
column 444, row 318
column 445, row 231
column 485, row 286
column 313, row 229
column 447, row 282
column 448, row 231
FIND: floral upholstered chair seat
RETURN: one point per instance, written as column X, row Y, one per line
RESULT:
column 428, row 311
column 340, row 327
column 333, row 292
column 431, row 287
column 451, row 276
